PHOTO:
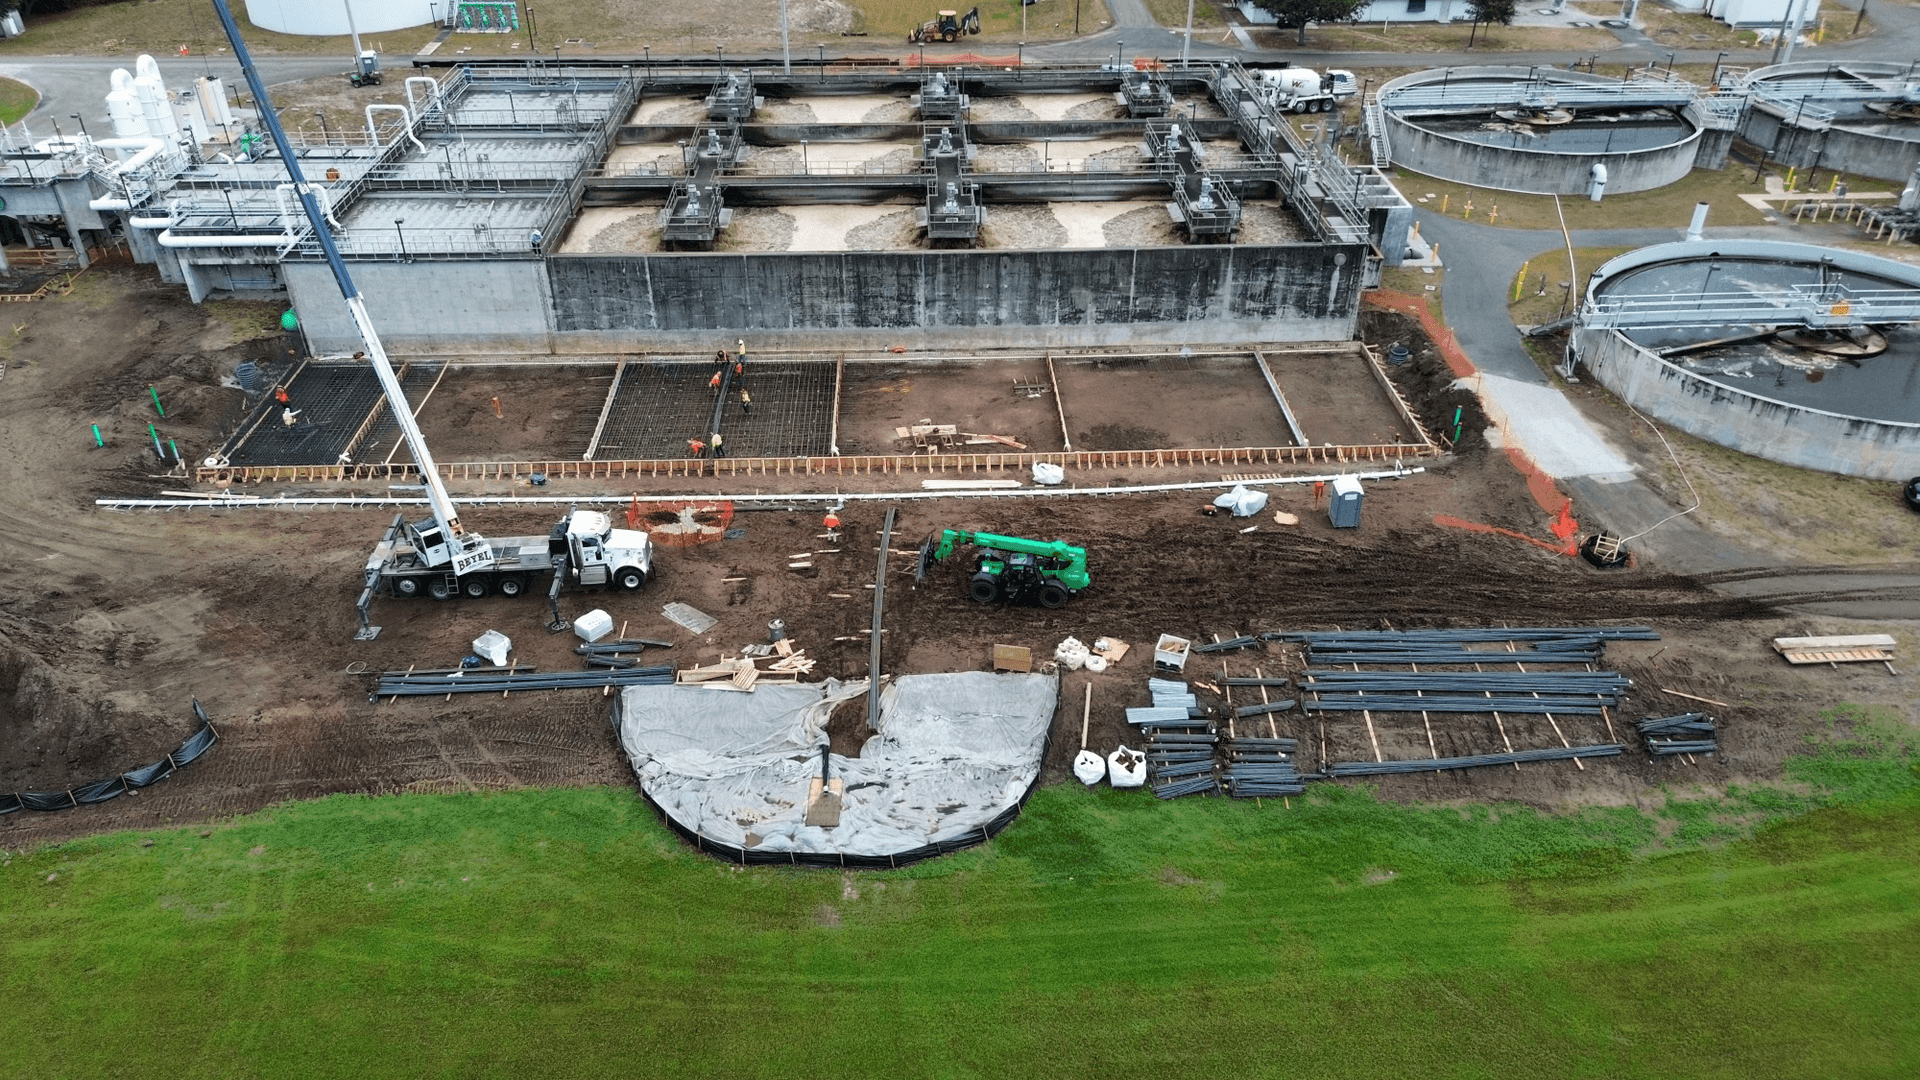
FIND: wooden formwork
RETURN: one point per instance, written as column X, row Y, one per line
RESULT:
column 845, row 465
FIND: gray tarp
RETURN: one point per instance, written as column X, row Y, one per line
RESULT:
column 952, row 752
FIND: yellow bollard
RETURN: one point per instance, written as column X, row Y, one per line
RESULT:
column 1493, row 213
column 1467, row 214
column 1833, row 182
column 1790, row 175
column 1444, row 199
column 1520, row 281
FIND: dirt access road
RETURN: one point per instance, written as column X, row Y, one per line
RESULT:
column 110, row 623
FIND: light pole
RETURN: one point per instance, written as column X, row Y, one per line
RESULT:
column 648, row 50
column 512, row 113
column 786, row 53
column 83, row 126
column 397, row 222
column 1715, row 80
column 530, row 47
column 1187, row 42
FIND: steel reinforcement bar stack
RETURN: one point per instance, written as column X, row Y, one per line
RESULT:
column 1420, row 765
column 1462, row 691
column 406, row 684
column 1687, row 733
column 1262, row 767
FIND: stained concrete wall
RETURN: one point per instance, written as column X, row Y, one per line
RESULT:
column 1291, row 292
column 429, row 306
column 1861, row 151
column 959, row 299
column 1535, row 172
column 1763, row 427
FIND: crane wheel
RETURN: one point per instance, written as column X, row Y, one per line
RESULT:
column 511, row 586
column 984, row 588
column 439, row 589
column 630, row 579
column 1053, row 596
column 406, row 587
column 475, row 588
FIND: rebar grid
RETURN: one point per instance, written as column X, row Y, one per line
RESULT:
column 332, row 401
column 661, row 404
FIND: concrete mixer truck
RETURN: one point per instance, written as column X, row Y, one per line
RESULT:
column 1304, row 90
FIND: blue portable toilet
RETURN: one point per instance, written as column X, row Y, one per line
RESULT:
column 1344, row 507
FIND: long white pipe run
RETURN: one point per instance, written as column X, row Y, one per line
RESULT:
column 167, row 239
column 303, row 501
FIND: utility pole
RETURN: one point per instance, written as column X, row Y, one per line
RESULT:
column 786, row 54
column 1799, row 21
column 355, row 31
column 1187, row 44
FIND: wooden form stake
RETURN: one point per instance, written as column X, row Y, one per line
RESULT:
column 1059, row 406
column 1556, row 727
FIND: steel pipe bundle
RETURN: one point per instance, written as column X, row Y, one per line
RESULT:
column 1453, row 656
column 1458, row 704
column 1197, row 785
column 1264, row 708
column 1383, row 768
column 1483, row 634
column 1687, row 733
column 1228, row 645
column 1259, row 767
column 1181, row 763
column 427, row 685
column 1594, row 683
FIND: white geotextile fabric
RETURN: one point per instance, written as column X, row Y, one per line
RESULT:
column 951, row 753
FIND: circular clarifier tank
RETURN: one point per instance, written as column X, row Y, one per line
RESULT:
column 1543, row 130
column 1804, row 355
column 1858, row 117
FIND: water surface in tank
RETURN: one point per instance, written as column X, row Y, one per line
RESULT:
column 1596, row 133
column 1883, row 387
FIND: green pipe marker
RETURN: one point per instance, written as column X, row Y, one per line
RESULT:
column 97, row 440
column 156, row 401
column 159, row 451
column 1457, row 410
column 171, row 445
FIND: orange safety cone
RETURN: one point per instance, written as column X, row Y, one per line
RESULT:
column 633, row 512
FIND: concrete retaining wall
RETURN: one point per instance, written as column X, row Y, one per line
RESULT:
column 953, row 299
column 1292, row 292
column 1749, row 423
column 492, row 306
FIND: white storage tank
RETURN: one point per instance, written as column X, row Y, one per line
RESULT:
column 329, row 17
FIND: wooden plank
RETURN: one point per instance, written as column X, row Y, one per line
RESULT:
column 1845, row 641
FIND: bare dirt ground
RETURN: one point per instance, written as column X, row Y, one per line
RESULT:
column 110, row 623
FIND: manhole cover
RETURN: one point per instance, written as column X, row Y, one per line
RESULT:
column 1616, row 24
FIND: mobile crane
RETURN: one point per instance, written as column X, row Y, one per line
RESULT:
column 438, row 556
column 1011, row 568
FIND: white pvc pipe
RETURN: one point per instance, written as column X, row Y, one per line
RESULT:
column 151, row 222
column 167, row 239
column 373, row 133
column 233, row 501
column 433, row 93
column 148, row 148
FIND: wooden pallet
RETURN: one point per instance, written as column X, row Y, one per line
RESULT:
column 1845, row 649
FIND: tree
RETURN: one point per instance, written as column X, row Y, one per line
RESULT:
column 1298, row 13
column 1490, row 11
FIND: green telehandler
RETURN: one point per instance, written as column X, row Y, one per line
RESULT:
column 1011, row 568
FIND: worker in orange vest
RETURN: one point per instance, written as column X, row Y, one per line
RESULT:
column 698, row 448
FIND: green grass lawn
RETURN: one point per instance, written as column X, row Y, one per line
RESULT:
column 17, row 99
column 565, row 933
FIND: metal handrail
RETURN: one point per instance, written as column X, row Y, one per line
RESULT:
column 1810, row 304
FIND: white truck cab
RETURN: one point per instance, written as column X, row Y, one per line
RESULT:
column 598, row 553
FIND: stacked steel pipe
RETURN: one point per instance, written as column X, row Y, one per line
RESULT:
column 1419, row 765
column 1262, row 767
column 404, row 684
column 1180, row 744
column 1463, row 691
column 1687, row 733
